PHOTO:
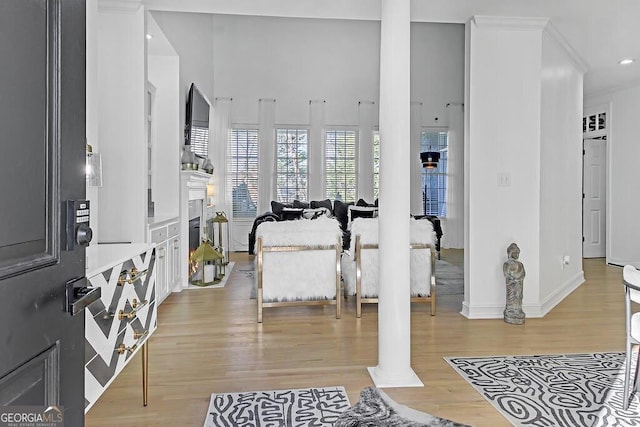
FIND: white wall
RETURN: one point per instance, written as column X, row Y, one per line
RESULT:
column 623, row 154
column 121, row 79
column 92, row 115
column 191, row 35
column 297, row 60
column 523, row 102
column 503, row 137
column 294, row 61
column 437, row 69
column 560, row 171
column 163, row 73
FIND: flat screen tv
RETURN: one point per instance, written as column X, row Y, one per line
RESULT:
column 196, row 130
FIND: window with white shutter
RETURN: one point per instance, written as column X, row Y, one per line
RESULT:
column 340, row 165
column 291, row 165
column 434, row 181
column 242, row 171
column 376, row 164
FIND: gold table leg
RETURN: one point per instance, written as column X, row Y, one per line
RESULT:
column 145, row 373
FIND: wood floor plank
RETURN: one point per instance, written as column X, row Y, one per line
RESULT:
column 208, row 341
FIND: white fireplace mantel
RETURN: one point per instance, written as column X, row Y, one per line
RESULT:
column 193, row 186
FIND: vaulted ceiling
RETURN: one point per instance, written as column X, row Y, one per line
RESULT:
column 601, row 32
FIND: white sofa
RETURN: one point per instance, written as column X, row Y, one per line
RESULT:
column 360, row 264
column 298, row 263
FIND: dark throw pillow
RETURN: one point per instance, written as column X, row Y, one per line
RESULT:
column 315, row 204
column 299, row 204
column 288, row 214
column 341, row 211
column 362, row 203
column 363, row 212
column 315, row 213
column 276, row 207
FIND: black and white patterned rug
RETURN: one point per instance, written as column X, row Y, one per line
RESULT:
column 376, row 408
column 298, row 407
column 449, row 278
column 553, row 390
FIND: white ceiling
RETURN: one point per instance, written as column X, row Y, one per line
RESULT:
column 601, row 32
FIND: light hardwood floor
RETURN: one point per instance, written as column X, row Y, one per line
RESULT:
column 208, row 341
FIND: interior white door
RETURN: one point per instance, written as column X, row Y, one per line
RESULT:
column 594, row 200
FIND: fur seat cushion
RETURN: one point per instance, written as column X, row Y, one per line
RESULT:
column 299, row 275
column 420, row 259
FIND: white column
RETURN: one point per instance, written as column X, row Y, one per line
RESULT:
column 394, row 311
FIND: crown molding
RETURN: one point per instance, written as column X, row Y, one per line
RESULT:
column 611, row 90
column 553, row 32
column 509, row 22
column 119, row 5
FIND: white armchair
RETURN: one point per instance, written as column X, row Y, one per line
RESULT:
column 360, row 263
column 298, row 263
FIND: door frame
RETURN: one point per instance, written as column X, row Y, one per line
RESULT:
column 606, row 135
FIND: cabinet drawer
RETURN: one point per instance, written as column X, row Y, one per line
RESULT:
column 159, row 235
column 173, row 229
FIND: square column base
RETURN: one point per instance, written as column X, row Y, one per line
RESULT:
column 411, row 380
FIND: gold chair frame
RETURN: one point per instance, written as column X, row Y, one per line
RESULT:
column 262, row 249
column 359, row 247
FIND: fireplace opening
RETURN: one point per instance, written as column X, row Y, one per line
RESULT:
column 194, row 234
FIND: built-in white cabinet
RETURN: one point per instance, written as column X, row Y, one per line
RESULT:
column 165, row 235
column 162, row 280
column 174, row 260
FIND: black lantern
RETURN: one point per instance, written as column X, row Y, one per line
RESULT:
column 430, row 159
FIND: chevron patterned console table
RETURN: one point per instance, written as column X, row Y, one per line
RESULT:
column 119, row 324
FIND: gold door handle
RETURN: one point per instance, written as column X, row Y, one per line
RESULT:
column 121, row 349
column 137, row 334
column 130, row 315
column 130, row 276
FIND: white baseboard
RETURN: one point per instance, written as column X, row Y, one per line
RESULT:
column 622, row 262
column 494, row 311
column 561, row 293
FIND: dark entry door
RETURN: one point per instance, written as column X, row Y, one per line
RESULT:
column 42, row 143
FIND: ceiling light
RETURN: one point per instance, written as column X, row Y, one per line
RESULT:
column 625, row 61
column 149, row 36
column 430, row 159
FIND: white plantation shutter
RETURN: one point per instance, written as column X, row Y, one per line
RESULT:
column 200, row 139
column 292, row 165
column 242, row 171
column 376, row 164
column 340, row 165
